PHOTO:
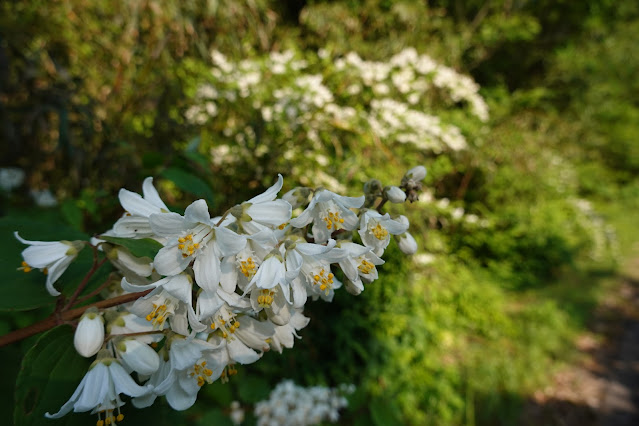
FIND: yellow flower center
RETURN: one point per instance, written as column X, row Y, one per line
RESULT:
column 187, row 246
column 248, row 267
column 333, row 221
column 265, row 299
column 324, row 280
column 379, row 231
column 25, row 267
column 365, row 267
column 202, row 374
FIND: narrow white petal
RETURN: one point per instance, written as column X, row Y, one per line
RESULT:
column 136, row 205
column 207, row 269
column 95, row 388
column 41, row 256
column 55, row 271
column 151, row 194
column 124, row 383
column 269, row 194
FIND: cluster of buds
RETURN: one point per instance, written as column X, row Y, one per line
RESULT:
column 221, row 290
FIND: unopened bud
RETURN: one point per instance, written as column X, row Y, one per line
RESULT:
column 416, row 174
column 89, row 335
column 407, row 243
column 373, row 187
column 394, row 194
column 139, row 356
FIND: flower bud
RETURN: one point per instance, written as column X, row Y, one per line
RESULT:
column 89, row 335
column 416, row 174
column 373, row 187
column 394, row 194
column 407, row 243
column 138, row 356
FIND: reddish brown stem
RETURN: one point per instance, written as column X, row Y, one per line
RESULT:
column 61, row 317
column 96, row 265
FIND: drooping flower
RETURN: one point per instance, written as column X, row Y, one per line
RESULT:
column 100, row 389
column 265, row 210
column 360, row 264
column 53, row 257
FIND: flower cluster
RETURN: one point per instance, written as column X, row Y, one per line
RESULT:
column 325, row 103
column 293, row 405
column 221, row 290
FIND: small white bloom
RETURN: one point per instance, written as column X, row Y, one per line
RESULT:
column 44, row 198
column 329, row 212
column 53, row 257
column 89, row 335
column 416, row 174
column 101, row 388
column 407, row 243
column 376, row 229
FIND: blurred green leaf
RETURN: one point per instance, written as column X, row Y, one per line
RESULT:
column 215, row 417
column 190, row 183
column 384, row 413
column 253, row 389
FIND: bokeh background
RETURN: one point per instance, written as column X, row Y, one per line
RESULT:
column 525, row 114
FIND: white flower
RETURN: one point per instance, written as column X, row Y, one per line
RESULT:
column 53, row 257
column 43, row 198
column 376, row 229
column 359, row 264
column 101, row 388
column 416, row 174
column 89, row 335
column 285, row 334
column 329, row 212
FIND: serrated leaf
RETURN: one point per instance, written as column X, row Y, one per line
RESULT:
column 145, row 247
column 50, row 372
column 190, row 183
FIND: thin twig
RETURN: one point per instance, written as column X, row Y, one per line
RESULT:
column 58, row 318
column 85, row 281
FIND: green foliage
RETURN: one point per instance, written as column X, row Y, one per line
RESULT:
column 50, row 372
column 144, row 247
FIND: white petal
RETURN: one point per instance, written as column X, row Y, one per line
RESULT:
column 55, row 271
column 151, row 194
column 180, row 287
column 241, row 353
column 41, row 256
column 68, row 406
column 207, row 269
column 273, row 213
column 228, row 277
column 124, row 383
column 168, row 224
column 133, row 226
column 95, row 388
column 169, row 260
column 136, row 205
column 178, row 399
column 228, row 242
column 269, row 194
column 208, row 304
column 197, row 212
column 89, row 335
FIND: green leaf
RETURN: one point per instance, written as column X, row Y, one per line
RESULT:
column 145, row 247
column 253, row 389
column 21, row 291
column 72, row 213
column 190, row 183
column 216, row 417
column 50, row 372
